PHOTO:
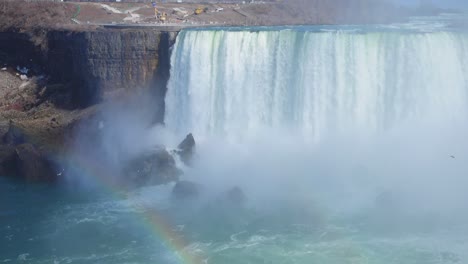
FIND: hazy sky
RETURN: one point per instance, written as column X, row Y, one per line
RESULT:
column 440, row 3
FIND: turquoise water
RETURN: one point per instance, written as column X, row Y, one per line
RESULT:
column 41, row 224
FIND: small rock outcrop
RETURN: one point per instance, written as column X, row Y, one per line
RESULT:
column 186, row 149
column 32, row 166
column 26, row 163
column 158, row 167
column 235, row 196
column 185, row 190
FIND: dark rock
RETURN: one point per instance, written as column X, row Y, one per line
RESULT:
column 184, row 190
column 14, row 136
column 8, row 158
column 157, row 167
column 186, row 149
column 187, row 144
column 25, row 162
column 32, row 165
column 235, row 196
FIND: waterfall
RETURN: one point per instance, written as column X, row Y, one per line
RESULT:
column 238, row 83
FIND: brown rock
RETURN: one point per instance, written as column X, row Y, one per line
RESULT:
column 25, row 162
column 32, row 166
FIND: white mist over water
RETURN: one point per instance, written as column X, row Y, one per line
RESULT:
column 343, row 118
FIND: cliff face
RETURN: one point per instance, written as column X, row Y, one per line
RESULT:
column 82, row 69
column 104, row 61
column 94, row 63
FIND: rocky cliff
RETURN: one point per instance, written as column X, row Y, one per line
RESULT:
column 96, row 63
column 51, row 86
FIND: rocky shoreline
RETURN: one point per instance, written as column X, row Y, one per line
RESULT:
column 44, row 150
column 23, row 159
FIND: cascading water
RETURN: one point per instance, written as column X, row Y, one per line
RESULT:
column 361, row 126
column 237, row 83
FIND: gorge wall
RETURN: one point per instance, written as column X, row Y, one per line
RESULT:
column 94, row 63
column 69, row 73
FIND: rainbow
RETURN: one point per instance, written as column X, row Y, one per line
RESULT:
column 152, row 220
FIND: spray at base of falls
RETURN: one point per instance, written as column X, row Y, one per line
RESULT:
column 343, row 115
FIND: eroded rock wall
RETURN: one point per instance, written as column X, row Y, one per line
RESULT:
column 95, row 63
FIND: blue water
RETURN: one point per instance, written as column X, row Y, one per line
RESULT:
column 44, row 224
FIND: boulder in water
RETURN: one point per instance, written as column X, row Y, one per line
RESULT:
column 156, row 167
column 32, row 166
column 186, row 149
column 235, row 196
column 185, row 190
